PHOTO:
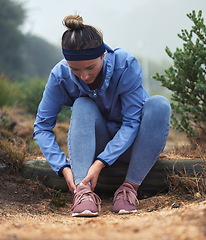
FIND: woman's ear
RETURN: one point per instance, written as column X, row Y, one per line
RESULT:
column 103, row 56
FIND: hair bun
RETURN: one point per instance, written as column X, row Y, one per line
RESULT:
column 73, row 22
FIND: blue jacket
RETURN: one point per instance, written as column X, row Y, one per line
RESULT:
column 120, row 99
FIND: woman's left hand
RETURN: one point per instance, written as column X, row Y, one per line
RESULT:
column 93, row 174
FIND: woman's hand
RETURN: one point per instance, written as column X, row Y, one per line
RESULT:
column 93, row 174
column 68, row 175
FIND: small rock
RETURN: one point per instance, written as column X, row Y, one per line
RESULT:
column 197, row 195
column 153, row 209
column 12, row 236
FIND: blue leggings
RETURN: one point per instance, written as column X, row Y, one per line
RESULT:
column 88, row 136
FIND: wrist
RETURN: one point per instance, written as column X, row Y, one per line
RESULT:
column 60, row 172
column 99, row 164
column 66, row 172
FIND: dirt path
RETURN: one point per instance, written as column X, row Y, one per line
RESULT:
column 26, row 213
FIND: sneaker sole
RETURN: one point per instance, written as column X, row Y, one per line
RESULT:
column 123, row 211
column 86, row 213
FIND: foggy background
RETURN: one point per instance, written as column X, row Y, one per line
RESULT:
column 143, row 27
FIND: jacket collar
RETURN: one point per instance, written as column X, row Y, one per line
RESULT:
column 108, row 67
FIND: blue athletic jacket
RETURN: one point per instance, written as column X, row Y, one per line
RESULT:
column 120, row 99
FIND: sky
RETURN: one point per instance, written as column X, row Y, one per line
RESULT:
column 143, row 27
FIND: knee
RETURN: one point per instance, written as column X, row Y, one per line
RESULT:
column 82, row 101
column 158, row 105
column 84, row 105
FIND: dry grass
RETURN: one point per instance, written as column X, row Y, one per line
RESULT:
column 190, row 151
column 14, row 147
column 61, row 133
column 17, row 144
column 13, row 153
column 184, row 183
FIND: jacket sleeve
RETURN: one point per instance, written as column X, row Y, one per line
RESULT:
column 48, row 110
column 132, row 97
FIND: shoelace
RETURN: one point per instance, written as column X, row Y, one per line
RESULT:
column 127, row 195
column 86, row 195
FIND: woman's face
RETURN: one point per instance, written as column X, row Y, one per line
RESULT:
column 87, row 70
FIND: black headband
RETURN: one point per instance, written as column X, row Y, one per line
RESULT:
column 83, row 54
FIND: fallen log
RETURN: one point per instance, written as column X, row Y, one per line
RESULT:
column 112, row 177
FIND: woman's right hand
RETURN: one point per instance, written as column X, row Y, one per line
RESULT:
column 68, row 175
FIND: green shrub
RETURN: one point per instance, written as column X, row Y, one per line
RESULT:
column 65, row 114
column 187, row 79
column 30, row 94
column 59, row 199
column 4, row 90
column 5, row 121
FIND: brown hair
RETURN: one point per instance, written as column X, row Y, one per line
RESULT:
column 79, row 35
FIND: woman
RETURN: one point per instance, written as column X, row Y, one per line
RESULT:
column 113, row 118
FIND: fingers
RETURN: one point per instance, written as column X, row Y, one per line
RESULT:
column 88, row 179
column 72, row 188
column 93, row 187
column 85, row 180
column 68, row 175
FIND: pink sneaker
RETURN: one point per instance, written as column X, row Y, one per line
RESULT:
column 85, row 202
column 125, row 199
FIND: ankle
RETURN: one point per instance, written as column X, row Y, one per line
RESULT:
column 135, row 186
column 83, row 184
